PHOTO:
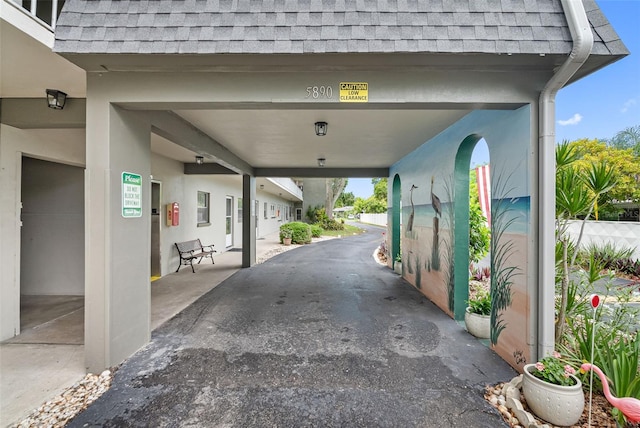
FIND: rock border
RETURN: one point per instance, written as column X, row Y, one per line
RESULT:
column 506, row 398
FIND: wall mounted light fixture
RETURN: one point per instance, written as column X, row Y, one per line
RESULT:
column 56, row 99
column 321, row 128
column 199, row 160
column 321, row 162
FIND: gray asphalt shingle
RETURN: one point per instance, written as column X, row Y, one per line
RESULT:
column 302, row 26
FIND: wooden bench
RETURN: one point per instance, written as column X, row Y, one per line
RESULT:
column 190, row 250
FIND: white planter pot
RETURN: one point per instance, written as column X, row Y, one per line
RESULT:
column 397, row 268
column 559, row 405
column 478, row 325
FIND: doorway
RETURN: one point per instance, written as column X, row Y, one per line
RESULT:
column 156, row 270
column 51, row 253
column 229, row 222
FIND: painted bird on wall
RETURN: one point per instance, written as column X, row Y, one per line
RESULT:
column 629, row 406
column 410, row 222
column 435, row 200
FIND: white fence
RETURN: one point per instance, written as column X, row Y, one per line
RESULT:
column 619, row 233
column 377, row 219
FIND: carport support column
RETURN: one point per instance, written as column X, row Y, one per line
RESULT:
column 117, row 247
column 248, row 220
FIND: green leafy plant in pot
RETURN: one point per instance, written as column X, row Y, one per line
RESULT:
column 286, row 235
column 477, row 315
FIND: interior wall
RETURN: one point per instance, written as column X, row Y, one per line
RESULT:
column 52, row 235
column 57, row 145
column 429, row 246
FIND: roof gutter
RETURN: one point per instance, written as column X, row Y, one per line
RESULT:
column 582, row 36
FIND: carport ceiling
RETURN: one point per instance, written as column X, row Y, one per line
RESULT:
column 285, row 138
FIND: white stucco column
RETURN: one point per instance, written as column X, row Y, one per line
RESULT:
column 117, row 269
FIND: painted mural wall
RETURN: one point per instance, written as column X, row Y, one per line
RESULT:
column 433, row 185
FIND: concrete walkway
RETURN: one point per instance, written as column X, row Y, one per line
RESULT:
column 321, row 336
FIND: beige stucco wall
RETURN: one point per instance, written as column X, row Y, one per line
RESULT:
column 56, row 145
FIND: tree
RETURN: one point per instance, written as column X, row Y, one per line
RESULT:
column 335, row 186
column 370, row 205
column 380, row 188
column 625, row 167
column 628, row 138
column 479, row 233
column 346, row 199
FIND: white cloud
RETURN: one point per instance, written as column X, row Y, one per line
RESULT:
column 575, row 119
column 627, row 105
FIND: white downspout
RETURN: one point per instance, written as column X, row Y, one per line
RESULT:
column 582, row 43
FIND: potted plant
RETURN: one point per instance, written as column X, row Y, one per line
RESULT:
column 477, row 315
column 286, row 236
column 552, row 391
column 397, row 265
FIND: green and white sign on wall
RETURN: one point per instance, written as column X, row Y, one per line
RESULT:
column 131, row 195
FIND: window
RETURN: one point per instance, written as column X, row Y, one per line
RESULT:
column 203, row 209
column 265, row 210
column 273, row 210
column 239, row 210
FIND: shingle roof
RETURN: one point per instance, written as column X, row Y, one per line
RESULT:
column 323, row 26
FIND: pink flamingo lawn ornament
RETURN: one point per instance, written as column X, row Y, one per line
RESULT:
column 629, row 406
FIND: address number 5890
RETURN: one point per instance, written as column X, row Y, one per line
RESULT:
column 317, row 92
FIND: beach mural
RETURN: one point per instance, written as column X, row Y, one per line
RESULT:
column 435, row 219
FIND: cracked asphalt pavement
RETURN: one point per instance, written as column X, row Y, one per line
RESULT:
column 321, row 336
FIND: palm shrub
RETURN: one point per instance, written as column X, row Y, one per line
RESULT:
column 577, row 193
column 619, row 362
column 607, row 254
column 607, row 330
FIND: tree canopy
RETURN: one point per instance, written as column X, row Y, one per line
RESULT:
column 624, row 164
column 376, row 203
column 628, row 138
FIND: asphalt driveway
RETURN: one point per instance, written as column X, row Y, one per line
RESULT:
column 320, row 336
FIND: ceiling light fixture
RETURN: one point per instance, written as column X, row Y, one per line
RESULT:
column 321, row 162
column 321, row 128
column 56, row 99
column 199, row 160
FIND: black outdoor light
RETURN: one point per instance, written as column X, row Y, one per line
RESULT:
column 321, row 162
column 56, row 99
column 199, row 160
column 321, row 128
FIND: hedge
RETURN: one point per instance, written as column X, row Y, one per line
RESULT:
column 300, row 232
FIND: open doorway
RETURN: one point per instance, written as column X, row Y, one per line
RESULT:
column 480, row 233
column 156, row 271
column 51, row 253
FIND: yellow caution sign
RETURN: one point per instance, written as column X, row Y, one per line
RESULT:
column 354, row 92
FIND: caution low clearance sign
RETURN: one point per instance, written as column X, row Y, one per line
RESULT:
column 354, row 92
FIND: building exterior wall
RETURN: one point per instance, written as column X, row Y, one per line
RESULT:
column 434, row 238
column 63, row 146
column 315, row 194
column 177, row 187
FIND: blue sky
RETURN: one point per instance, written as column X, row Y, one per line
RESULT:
column 597, row 106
